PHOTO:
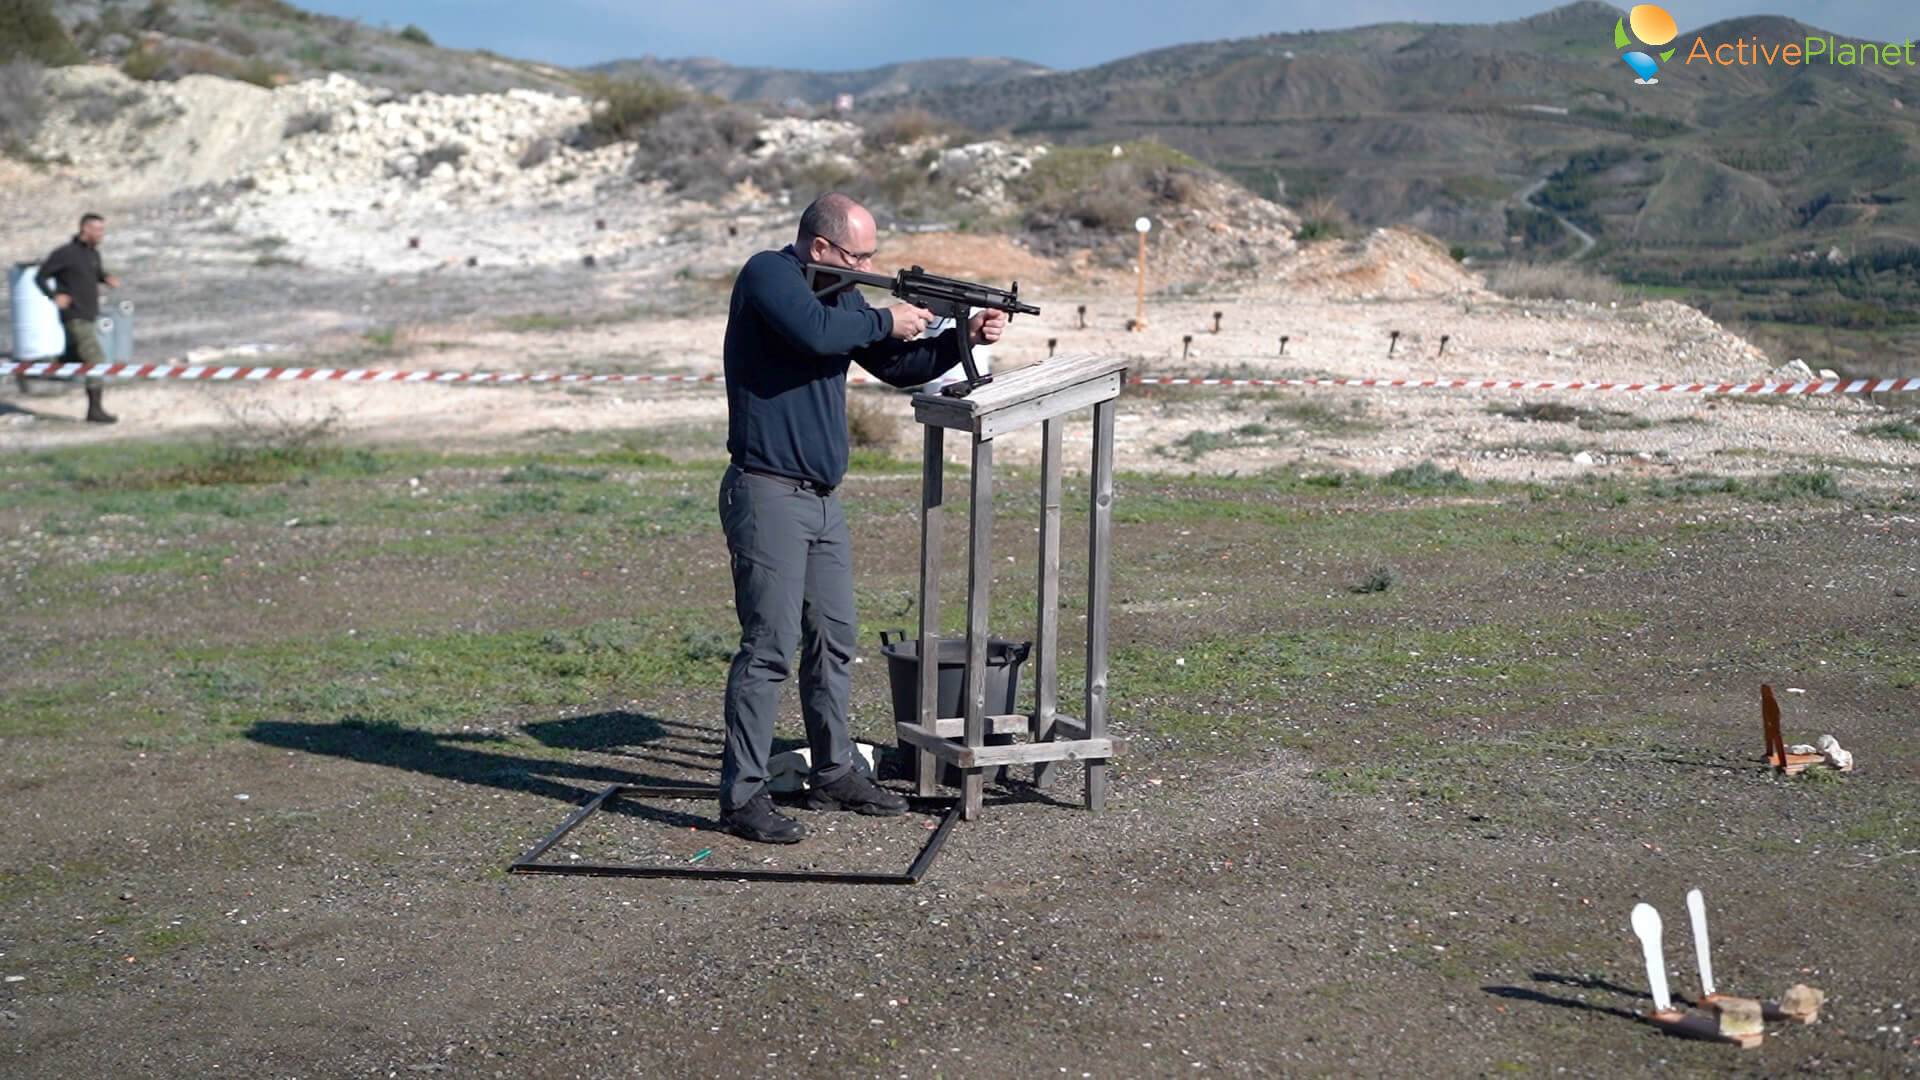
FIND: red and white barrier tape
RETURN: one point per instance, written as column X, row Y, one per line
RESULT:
column 219, row 373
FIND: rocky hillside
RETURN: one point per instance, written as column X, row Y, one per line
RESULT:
column 270, row 42
column 336, row 174
column 1733, row 188
column 1441, row 125
column 779, row 85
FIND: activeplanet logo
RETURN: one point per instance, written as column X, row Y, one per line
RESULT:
column 1652, row 26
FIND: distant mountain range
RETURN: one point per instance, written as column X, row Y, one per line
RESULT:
column 1442, row 125
column 1784, row 199
column 821, row 87
column 1446, row 126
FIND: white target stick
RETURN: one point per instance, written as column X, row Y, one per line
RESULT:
column 1697, row 908
column 1646, row 924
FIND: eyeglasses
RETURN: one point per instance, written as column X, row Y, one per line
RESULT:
column 851, row 256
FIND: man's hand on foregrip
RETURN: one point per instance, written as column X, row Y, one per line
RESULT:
column 909, row 321
column 987, row 326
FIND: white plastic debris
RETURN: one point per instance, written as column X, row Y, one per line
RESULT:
column 787, row 772
column 1837, row 756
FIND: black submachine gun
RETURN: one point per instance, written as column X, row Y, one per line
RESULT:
column 944, row 296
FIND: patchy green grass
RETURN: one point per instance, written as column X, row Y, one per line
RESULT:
column 1427, row 476
column 173, row 466
column 1198, row 443
column 1900, row 429
column 1554, row 412
column 1453, row 770
column 1787, row 486
column 1379, row 581
column 1323, row 418
column 874, row 462
column 1231, row 685
column 174, row 562
column 394, row 682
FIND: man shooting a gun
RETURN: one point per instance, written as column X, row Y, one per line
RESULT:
column 788, row 347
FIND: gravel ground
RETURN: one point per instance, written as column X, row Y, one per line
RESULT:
column 1424, row 851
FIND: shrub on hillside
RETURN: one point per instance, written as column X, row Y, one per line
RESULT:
column 29, row 30
column 166, row 64
column 236, row 41
column 903, row 126
column 21, row 106
column 1553, row 281
column 311, row 122
column 1321, row 219
column 1091, row 188
column 415, row 35
column 144, row 64
column 698, row 148
column 624, row 108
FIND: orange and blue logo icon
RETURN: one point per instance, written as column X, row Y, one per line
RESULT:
column 1652, row 27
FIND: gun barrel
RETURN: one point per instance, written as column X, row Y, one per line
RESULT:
column 973, row 296
column 919, row 287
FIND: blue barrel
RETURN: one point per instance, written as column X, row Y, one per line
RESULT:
column 37, row 333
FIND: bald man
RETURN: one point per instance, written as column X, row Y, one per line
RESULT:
column 787, row 354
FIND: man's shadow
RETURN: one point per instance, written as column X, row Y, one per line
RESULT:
column 689, row 754
column 8, row 408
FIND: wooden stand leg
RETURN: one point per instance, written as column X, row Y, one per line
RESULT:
column 1099, row 544
column 932, row 495
column 979, row 577
column 1046, row 658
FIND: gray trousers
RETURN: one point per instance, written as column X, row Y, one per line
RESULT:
column 793, row 590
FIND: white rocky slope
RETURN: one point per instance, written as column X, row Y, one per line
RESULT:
column 335, row 174
column 340, row 175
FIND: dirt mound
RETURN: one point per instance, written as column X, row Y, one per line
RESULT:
column 995, row 260
column 135, row 140
column 1388, row 264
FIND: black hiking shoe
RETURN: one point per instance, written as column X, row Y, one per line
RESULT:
column 760, row 822
column 96, row 412
column 858, row 793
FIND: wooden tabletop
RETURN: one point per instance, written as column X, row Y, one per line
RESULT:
column 1053, row 386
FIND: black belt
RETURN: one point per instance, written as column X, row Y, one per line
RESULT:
column 822, row 490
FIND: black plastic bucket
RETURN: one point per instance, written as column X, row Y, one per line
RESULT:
column 903, row 675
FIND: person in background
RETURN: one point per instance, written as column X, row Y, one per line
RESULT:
column 72, row 277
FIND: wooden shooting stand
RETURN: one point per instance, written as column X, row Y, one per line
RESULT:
column 1041, row 394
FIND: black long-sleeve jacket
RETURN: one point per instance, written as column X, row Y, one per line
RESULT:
column 75, row 269
column 786, row 356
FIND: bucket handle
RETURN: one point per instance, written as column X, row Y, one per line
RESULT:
column 1018, row 652
column 898, row 636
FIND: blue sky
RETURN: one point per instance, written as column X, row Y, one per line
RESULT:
column 843, row 34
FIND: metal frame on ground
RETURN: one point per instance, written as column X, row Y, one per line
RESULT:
column 530, row 862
